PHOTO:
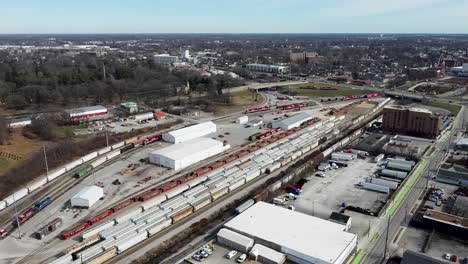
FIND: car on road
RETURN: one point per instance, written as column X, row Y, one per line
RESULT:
column 231, row 254
column 242, row 258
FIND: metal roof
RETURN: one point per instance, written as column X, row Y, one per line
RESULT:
column 292, row 120
column 235, row 237
column 268, row 253
column 85, row 109
column 187, row 148
column 294, row 232
column 193, row 129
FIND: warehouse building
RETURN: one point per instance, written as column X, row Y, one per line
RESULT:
column 302, row 238
column 292, row 122
column 129, row 107
column 267, row 68
column 86, row 113
column 266, row 255
column 87, row 197
column 234, row 240
column 182, row 155
column 191, row 132
column 165, row 59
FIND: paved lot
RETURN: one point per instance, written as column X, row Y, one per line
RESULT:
column 322, row 196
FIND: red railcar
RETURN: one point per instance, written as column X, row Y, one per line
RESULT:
column 168, row 186
column 372, row 95
column 217, row 165
column 274, row 139
column 242, row 154
column 253, row 149
column 122, row 205
column 258, row 109
column 149, row 194
column 187, row 178
column 231, row 159
column 100, row 217
column 25, row 216
column 202, row 171
column 76, row 230
column 151, row 139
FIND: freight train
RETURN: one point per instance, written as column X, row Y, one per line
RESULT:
column 32, row 211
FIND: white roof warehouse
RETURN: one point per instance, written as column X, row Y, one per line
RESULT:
column 304, row 239
column 292, row 122
column 191, row 132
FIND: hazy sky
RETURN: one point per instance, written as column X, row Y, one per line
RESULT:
column 234, row 16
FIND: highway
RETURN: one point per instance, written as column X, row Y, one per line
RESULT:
column 376, row 249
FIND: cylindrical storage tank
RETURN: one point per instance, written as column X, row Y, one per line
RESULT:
column 118, row 145
column 124, row 245
column 98, row 162
column 112, row 155
column 176, row 191
column 201, row 202
column 180, row 213
column 37, row 184
column 157, row 227
column 129, row 215
column 155, row 201
column 73, row 164
column 55, row 174
column 217, row 193
column 103, row 257
column 95, row 230
column 90, row 156
column 104, row 150
column 393, row 173
column 236, row 184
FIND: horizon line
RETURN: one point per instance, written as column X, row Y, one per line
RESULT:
column 239, row 33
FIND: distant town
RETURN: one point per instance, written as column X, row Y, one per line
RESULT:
column 234, row 148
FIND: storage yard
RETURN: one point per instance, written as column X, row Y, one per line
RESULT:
column 141, row 199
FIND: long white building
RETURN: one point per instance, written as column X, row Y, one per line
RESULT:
column 191, row 132
column 165, row 59
column 292, row 122
column 182, row 155
column 304, row 239
column 267, row 68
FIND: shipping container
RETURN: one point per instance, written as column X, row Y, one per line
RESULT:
column 157, row 227
column 98, row 228
column 180, row 213
column 103, row 257
column 217, row 193
column 117, row 145
column 155, row 201
column 113, row 154
column 375, row 187
column 128, row 215
column 37, row 184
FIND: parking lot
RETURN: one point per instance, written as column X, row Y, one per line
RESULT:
column 322, row 196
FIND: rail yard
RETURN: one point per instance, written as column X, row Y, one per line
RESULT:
column 141, row 199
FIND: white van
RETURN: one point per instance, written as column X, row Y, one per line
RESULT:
column 231, row 254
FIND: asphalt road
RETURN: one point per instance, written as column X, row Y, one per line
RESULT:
column 376, row 253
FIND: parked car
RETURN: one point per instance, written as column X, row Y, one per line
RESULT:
column 3, row 232
column 203, row 253
column 454, row 258
column 198, row 257
column 447, row 256
column 242, row 258
column 465, row 261
column 231, row 254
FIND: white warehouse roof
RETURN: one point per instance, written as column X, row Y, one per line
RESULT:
column 292, row 122
column 299, row 236
column 235, row 240
column 87, row 196
column 191, row 132
column 272, row 256
column 181, row 155
column 86, row 110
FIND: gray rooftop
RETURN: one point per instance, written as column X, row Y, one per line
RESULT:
column 412, row 257
column 301, row 117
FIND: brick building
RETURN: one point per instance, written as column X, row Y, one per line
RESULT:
column 411, row 121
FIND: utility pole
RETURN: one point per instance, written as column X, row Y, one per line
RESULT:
column 45, row 158
column 107, row 138
column 17, row 220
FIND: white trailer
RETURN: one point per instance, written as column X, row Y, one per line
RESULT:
column 375, row 187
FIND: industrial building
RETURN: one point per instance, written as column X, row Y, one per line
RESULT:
column 191, row 132
column 129, row 107
column 302, row 238
column 165, row 59
column 181, row 155
column 411, row 121
column 234, row 240
column 305, row 57
column 292, row 122
column 266, row 255
column 341, row 219
column 87, row 197
column 86, row 113
column 267, row 68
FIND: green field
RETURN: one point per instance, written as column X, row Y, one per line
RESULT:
column 453, row 108
column 341, row 91
column 4, row 165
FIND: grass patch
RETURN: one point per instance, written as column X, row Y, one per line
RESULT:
column 453, row 108
column 4, row 165
column 240, row 101
column 340, row 91
column 359, row 257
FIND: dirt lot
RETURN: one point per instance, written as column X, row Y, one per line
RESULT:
column 241, row 100
column 17, row 149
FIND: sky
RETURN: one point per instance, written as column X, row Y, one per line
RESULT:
column 233, row 16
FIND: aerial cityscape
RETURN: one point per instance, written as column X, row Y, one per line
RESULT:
column 260, row 132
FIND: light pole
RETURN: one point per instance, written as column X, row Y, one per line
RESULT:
column 107, row 138
column 45, row 159
column 17, row 220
